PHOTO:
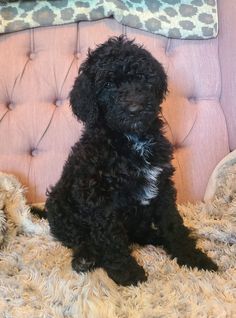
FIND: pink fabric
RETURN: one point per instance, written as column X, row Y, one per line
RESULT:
column 37, row 129
column 227, row 58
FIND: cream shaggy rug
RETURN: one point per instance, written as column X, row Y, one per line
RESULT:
column 36, row 279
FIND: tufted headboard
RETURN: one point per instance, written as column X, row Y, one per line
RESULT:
column 37, row 70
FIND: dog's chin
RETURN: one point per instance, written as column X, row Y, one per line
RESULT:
column 133, row 124
column 135, row 127
column 138, row 127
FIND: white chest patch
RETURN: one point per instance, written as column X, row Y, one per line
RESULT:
column 151, row 173
column 142, row 147
column 150, row 191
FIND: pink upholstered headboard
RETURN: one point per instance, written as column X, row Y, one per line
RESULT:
column 37, row 70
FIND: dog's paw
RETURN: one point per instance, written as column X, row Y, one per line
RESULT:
column 198, row 260
column 81, row 265
column 130, row 274
column 206, row 263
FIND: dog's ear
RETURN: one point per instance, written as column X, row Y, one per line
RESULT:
column 82, row 100
column 161, row 83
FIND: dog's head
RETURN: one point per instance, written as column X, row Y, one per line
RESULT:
column 120, row 84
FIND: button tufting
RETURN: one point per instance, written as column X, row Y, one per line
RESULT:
column 192, row 99
column 78, row 55
column 34, row 152
column 11, row 106
column 168, row 52
column 59, row 102
column 32, row 55
column 177, row 146
column 168, row 47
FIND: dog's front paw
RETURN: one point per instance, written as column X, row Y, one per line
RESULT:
column 130, row 274
column 199, row 260
column 81, row 265
column 206, row 263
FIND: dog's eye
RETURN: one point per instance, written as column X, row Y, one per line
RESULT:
column 108, row 85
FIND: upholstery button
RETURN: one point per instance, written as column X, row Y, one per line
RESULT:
column 34, row 152
column 77, row 55
column 59, row 102
column 32, row 56
column 192, row 99
column 11, row 106
column 177, row 146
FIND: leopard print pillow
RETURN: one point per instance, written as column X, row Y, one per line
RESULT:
column 189, row 19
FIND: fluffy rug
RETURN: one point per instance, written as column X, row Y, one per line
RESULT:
column 36, row 279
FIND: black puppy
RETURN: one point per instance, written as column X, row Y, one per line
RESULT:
column 116, row 186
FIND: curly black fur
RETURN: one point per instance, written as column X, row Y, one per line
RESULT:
column 116, row 186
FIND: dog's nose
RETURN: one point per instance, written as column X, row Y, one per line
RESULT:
column 135, row 108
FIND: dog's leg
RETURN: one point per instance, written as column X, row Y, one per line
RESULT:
column 177, row 241
column 109, row 247
column 176, row 238
column 142, row 229
column 84, row 258
column 117, row 261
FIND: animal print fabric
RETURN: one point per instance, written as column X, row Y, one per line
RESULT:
column 185, row 19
